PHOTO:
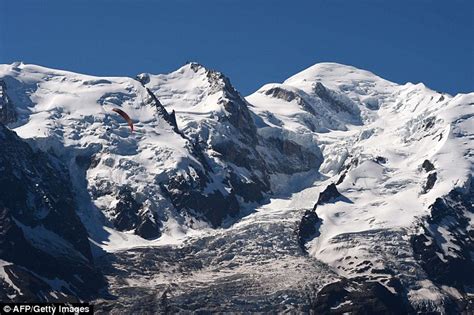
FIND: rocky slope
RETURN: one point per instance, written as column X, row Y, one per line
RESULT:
column 45, row 253
column 220, row 122
column 335, row 191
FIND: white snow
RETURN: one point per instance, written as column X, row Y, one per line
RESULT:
column 5, row 277
column 48, row 241
column 396, row 127
column 426, row 295
column 71, row 115
column 189, row 93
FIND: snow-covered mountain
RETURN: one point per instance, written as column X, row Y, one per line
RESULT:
column 334, row 191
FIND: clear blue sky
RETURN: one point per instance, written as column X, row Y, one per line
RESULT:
column 251, row 41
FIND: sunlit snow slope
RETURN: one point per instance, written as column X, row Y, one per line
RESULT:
column 131, row 178
column 392, row 150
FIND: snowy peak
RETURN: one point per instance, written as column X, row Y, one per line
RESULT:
column 331, row 96
column 190, row 89
column 363, row 87
column 203, row 98
column 198, row 96
column 338, row 77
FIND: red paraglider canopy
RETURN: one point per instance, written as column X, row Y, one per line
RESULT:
column 125, row 116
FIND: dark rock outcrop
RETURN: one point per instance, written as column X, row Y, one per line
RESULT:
column 359, row 296
column 126, row 211
column 291, row 157
column 341, row 178
column 7, row 109
column 41, row 236
column 127, row 216
column 381, row 160
column 330, row 194
column 149, row 228
column 427, row 166
column 161, row 110
column 284, row 94
column 430, row 181
column 445, row 263
column 251, row 190
column 446, row 242
column 428, row 123
column 186, row 194
column 308, row 228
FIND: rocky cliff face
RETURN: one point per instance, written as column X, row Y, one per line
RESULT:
column 7, row 109
column 44, row 247
column 445, row 242
column 218, row 120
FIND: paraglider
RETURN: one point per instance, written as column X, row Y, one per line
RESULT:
column 125, row 116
